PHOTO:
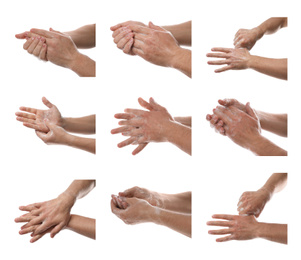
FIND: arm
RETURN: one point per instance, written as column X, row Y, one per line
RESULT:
column 140, row 211
column 246, row 228
column 180, row 202
column 57, row 135
column 275, row 123
column 184, row 120
column 245, row 38
column 239, row 59
column 84, row 37
column 81, row 125
column 253, row 202
column 82, row 225
column 53, row 214
column 182, row 32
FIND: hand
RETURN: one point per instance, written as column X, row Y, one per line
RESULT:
column 217, row 123
column 155, row 45
column 50, row 216
column 34, row 44
column 55, row 135
column 151, row 197
column 146, row 126
column 239, row 227
column 242, row 128
column 236, row 59
column 34, row 118
column 253, row 202
column 137, row 211
column 245, row 38
column 61, row 50
column 123, row 35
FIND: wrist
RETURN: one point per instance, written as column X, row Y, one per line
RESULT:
column 62, row 122
column 68, row 199
column 255, row 143
column 76, row 61
column 259, row 31
column 167, row 130
column 178, row 54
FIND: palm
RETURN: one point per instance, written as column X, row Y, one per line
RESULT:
column 52, row 114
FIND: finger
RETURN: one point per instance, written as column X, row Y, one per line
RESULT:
column 208, row 117
column 237, row 39
column 145, row 104
column 33, row 45
column 121, row 129
column 135, row 122
column 218, row 55
column 250, row 111
column 38, row 48
column 140, row 37
column 58, row 32
column 129, row 192
column 28, row 230
column 28, row 43
column 35, row 238
column 127, row 142
column 29, row 110
column 115, row 210
column 137, row 51
column 22, row 36
column 139, row 148
column 41, row 32
column 56, row 230
column 43, row 53
column 127, row 33
column 33, row 126
column 47, row 102
column 124, row 116
column 31, row 207
column 21, row 115
column 219, row 223
column 128, row 46
column 134, row 132
column 140, row 29
column 115, row 27
column 220, row 231
column 136, row 112
column 218, row 62
column 226, row 102
column 155, row 27
column 229, row 67
column 220, row 49
column 223, row 114
column 24, row 218
column 43, row 227
column 25, row 120
column 214, row 120
column 224, row 239
column 223, row 216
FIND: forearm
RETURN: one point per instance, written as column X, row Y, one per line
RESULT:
column 182, row 61
column 275, row 123
column 182, row 32
column 82, row 225
column 83, row 66
column 271, row 25
column 184, row 120
column 272, row 67
column 180, row 202
column 86, row 144
column 275, row 183
column 273, row 232
column 79, row 188
column 179, row 135
column 176, row 221
column 264, row 147
column 83, row 37
column 81, row 125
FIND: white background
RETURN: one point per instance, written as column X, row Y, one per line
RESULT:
column 217, row 173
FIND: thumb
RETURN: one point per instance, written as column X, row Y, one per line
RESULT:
column 145, row 104
column 51, row 30
column 250, row 111
column 155, row 27
column 128, row 193
column 226, row 102
column 47, row 102
column 21, row 35
column 155, row 105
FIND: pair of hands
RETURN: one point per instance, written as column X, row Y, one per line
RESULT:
column 136, row 205
column 237, row 121
column 152, row 43
column 48, row 124
column 46, row 217
column 50, row 45
column 143, row 126
column 243, row 226
column 239, row 57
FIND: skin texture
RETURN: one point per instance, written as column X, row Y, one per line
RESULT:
column 52, row 128
column 246, row 228
column 61, row 49
column 139, row 205
column 53, row 215
column 155, row 44
column 253, row 202
column 239, row 59
column 155, row 125
column 246, row 38
column 246, row 123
